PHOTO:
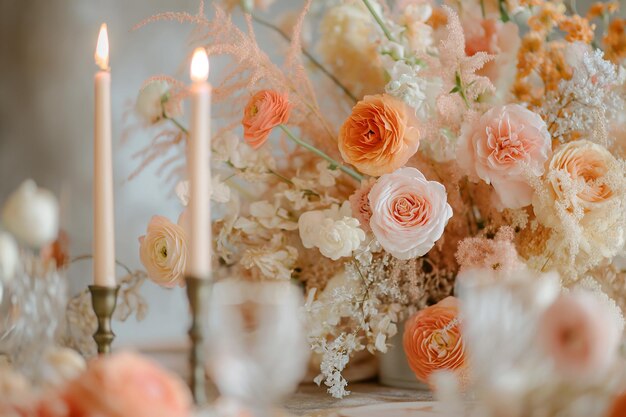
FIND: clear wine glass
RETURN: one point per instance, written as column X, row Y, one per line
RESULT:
column 256, row 343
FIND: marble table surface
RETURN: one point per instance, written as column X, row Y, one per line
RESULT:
column 313, row 401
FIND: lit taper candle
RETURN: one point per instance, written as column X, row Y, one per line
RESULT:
column 103, row 232
column 199, row 171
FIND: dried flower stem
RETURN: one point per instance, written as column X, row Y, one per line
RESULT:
column 333, row 162
column 306, row 53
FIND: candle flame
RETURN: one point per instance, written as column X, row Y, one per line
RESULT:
column 102, row 48
column 199, row 65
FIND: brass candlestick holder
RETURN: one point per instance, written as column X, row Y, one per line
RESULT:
column 104, row 300
column 197, row 292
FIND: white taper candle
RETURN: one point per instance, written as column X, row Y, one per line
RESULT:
column 199, row 171
column 104, row 224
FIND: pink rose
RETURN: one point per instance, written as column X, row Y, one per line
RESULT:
column 409, row 213
column 125, row 384
column 501, row 147
column 360, row 204
column 579, row 333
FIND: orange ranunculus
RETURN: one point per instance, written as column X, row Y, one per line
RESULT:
column 432, row 340
column 379, row 136
column 265, row 110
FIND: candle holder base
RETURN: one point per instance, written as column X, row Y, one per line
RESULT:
column 104, row 300
column 198, row 290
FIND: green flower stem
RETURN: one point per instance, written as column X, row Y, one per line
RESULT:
column 178, row 125
column 321, row 154
column 379, row 20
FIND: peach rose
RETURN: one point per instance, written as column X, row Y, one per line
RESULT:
column 579, row 334
column 125, row 384
column 587, row 164
column 163, row 252
column 409, row 213
column 501, row 147
column 495, row 38
column 360, row 204
column 265, row 110
column 586, row 180
column 432, row 340
column 380, row 135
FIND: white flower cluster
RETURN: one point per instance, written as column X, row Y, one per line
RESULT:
column 333, row 231
column 590, row 98
column 400, row 60
column 252, row 165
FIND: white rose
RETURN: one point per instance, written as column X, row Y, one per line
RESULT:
column 153, row 103
column 32, row 215
column 334, row 234
column 9, row 257
column 339, row 238
column 409, row 213
column 308, row 225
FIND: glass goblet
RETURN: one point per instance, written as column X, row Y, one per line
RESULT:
column 256, row 342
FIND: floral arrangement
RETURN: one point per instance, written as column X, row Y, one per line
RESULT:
column 418, row 143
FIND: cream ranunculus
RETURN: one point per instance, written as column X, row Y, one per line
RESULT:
column 163, row 252
column 585, row 181
column 334, row 232
column 409, row 213
column 32, row 215
column 501, row 147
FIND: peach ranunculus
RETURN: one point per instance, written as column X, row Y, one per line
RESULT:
column 380, row 135
column 163, row 252
column 503, row 146
column 432, row 340
column 125, row 384
column 409, row 213
column 579, row 333
column 265, row 110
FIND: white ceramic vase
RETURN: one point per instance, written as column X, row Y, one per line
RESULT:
column 394, row 368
